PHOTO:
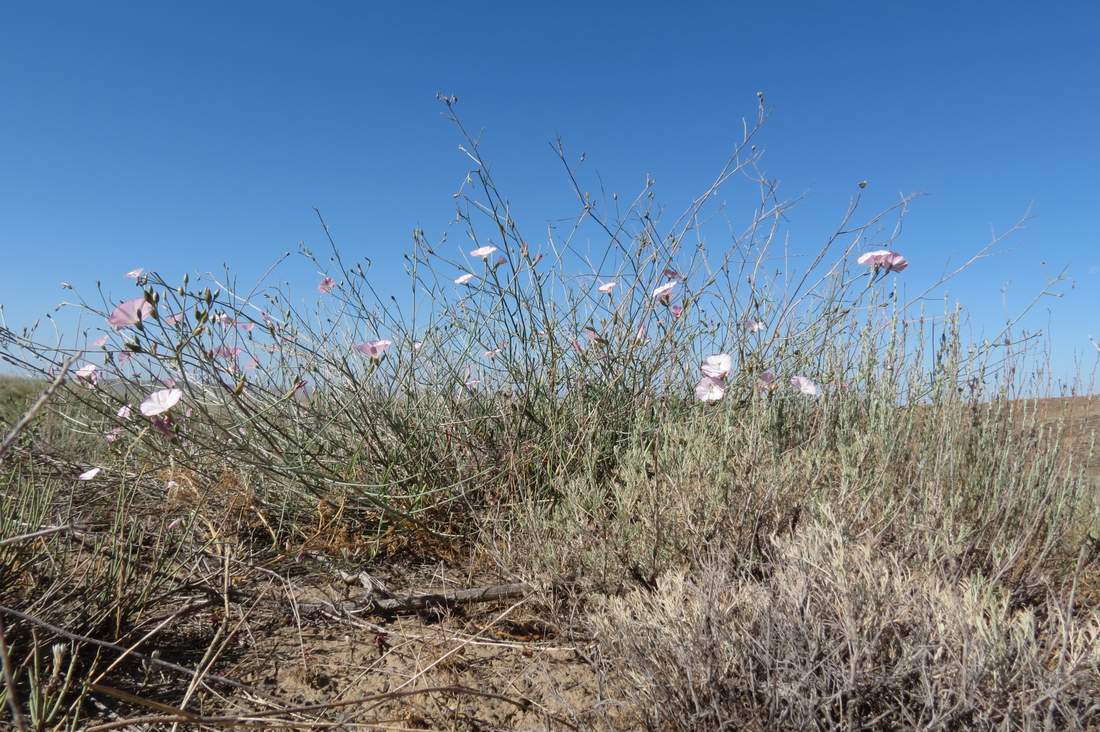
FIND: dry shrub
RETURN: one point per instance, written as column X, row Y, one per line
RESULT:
column 839, row 634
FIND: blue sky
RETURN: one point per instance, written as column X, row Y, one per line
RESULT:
column 178, row 137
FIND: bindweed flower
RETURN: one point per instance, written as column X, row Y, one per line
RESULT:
column 135, row 273
column 251, row 365
column 664, row 292
column 247, row 327
column 492, row 353
column 66, row 285
column 607, row 287
column 884, row 259
column 160, row 401
column 805, row 386
column 463, row 279
column 112, row 434
column 131, row 312
column 676, row 310
column 89, row 474
column 674, row 275
column 712, row 387
column 752, row 325
column 325, row 285
column 710, row 390
column 767, row 381
column 173, row 319
column 374, row 349
column 100, row 342
column 483, row 252
column 123, row 412
column 717, row 367
column 88, row 374
column 163, row 424
column 226, row 352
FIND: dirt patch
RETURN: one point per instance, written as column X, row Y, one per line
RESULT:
column 490, row 666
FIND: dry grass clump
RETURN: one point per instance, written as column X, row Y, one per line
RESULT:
column 841, row 634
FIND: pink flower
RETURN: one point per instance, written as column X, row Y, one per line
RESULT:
column 252, row 364
column 677, row 310
column 463, row 279
column 135, row 273
column 124, row 357
column 493, row 353
column 417, row 345
column 88, row 374
column 226, row 352
column 160, row 402
column 751, row 325
column 607, row 287
column 173, row 319
column 472, row 384
column 374, row 349
column 884, row 259
column 710, row 390
column 129, row 313
column 112, row 434
column 325, row 285
column 248, row 327
column 483, row 252
column 89, row 474
column 123, row 412
column 805, row 386
column 577, row 346
column 717, row 367
column 767, row 381
column 674, row 275
column 163, row 425
column 664, row 292
column 100, row 342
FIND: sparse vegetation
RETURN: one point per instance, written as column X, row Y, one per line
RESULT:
column 740, row 489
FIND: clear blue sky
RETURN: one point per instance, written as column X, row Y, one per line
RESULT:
column 180, row 136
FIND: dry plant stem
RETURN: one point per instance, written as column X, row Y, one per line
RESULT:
column 35, row 535
column 9, row 682
column 36, row 407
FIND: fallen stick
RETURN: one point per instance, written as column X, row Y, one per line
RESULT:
column 417, row 603
column 420, row 603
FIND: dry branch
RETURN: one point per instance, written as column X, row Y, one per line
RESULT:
column 410, row 604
